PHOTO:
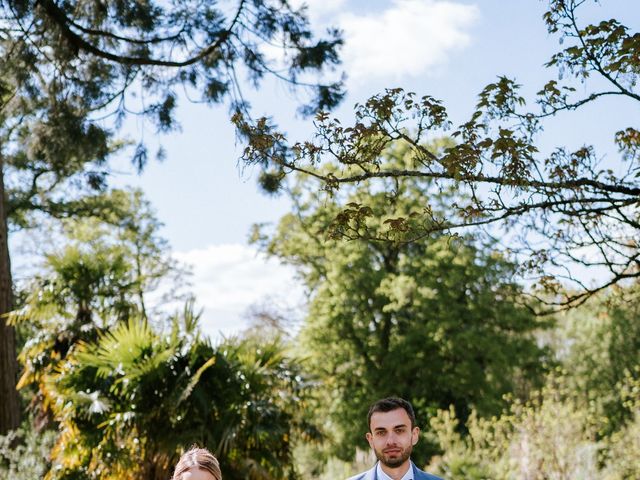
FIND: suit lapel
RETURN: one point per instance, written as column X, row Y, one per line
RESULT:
column 371, row 474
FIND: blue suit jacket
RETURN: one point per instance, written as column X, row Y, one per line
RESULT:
column 417, row 474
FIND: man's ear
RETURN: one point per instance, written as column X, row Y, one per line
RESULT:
column 415, row 435
column 369, row 438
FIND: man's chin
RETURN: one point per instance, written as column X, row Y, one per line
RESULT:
column 393, row 462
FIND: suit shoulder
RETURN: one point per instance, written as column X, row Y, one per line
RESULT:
column 368, row 475
column 427, row 476
column 422, row 475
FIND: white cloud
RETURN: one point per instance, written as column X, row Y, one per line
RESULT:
column 409, row 38
column 228, row 279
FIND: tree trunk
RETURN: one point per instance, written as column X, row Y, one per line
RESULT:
column 9, row 399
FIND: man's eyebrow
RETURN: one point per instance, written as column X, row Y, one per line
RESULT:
column 401, row 425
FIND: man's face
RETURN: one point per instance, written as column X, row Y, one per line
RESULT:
column 391, row 437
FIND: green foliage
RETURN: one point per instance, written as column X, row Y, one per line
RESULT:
column 96, row 54
column 582, row 424
column 100, row 277
column 24, row 453
column 71, row 72
column 562, row 203
column 600, row 345
column 434, row 320
column 551, row 436
column 624, row 445
column 130, row 401
column 76, row 61
column 129, row 389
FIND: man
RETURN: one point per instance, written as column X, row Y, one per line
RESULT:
column 392, row 435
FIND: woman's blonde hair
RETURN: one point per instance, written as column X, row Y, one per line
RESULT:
column 200, row 458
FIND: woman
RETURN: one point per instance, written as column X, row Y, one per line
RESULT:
column 197, row 464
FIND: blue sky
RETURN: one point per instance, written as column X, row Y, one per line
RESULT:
column 447, row 49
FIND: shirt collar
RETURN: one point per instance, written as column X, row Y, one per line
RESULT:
column 380, row 475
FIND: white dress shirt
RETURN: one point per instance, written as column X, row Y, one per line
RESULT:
column 380, row 475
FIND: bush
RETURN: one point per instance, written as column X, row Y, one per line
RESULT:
column 24, row 453
column 552, row 437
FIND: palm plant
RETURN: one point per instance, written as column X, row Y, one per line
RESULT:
column 98, row 278
column 130, row 390
column 129, row 402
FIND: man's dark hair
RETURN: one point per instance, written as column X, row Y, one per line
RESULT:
column 389, row 404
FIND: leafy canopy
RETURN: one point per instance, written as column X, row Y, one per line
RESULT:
column 435, row 320
column 125, row 387
column 555, row 210
column 72, row 71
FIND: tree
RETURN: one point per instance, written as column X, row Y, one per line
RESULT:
column 102, row 275
column 599, row 343
column 131, row 401
column 435, row 320
column 557, row 210
column 71, row 71
column 584, row 423
column 127, row 387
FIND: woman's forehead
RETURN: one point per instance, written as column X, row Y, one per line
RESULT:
column 196, row 474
